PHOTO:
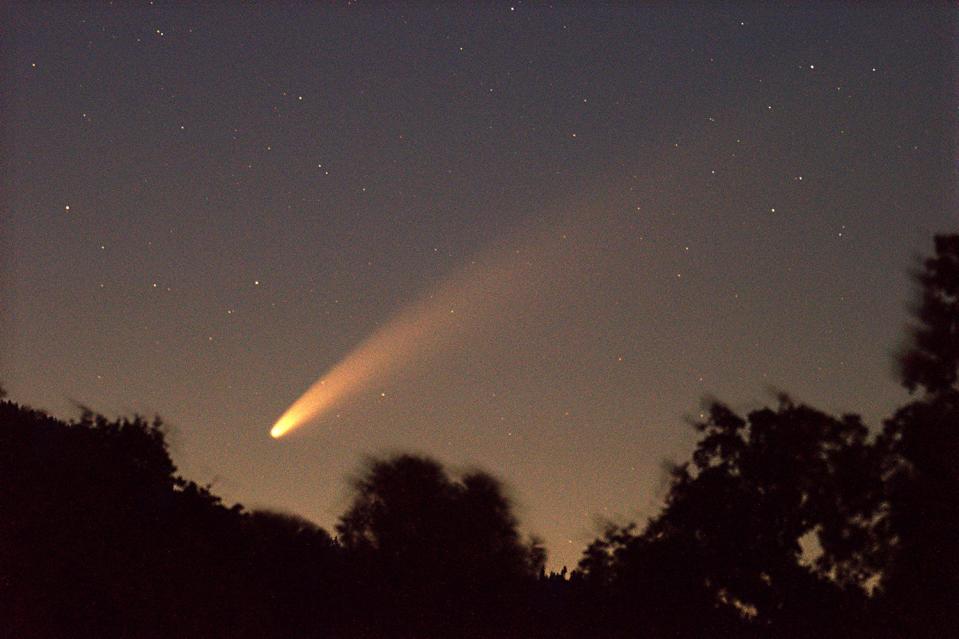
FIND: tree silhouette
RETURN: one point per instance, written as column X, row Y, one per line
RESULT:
column 931, row 358
column 442, row 554
column 729, row 543
column 99, row 537
column 920, row 444
column 79, row 508
column 299, row 571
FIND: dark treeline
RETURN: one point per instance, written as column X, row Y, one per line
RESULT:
column 785, row 522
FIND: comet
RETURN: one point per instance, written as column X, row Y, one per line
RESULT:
column 480, row 295
column 413, row 330
column 468, row 300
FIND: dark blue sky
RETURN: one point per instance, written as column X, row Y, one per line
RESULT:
column 206, row 207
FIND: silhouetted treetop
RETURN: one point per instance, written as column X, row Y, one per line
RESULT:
column 409, row 507
column 440, row 556
column 729, row 543
column 931, row 359
column 99, row 537
column 918, row 525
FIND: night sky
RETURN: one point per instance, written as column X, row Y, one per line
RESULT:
column 587, row 218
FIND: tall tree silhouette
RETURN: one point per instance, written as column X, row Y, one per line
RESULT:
column 930, row 360
column 443, row 555
column 729, row 543
column 920, row 522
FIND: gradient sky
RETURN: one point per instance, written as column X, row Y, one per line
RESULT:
column 206, row 207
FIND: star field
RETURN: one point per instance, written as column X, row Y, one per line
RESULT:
column 205, row 207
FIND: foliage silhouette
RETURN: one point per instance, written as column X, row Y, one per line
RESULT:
column 919, row 525
column 445, row 553
column 729, row 538
column 931, row 359
column 100, row 537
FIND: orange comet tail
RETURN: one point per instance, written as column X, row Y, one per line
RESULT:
column 511, row 274
column 470, row 299
column 409, row 332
